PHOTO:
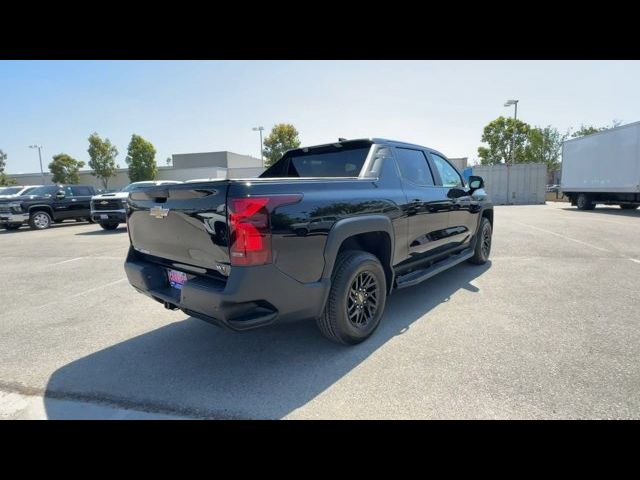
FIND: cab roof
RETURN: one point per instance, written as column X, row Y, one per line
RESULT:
column 370, row 141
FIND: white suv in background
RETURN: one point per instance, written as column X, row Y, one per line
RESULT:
column 16, row 190
column 109, row 209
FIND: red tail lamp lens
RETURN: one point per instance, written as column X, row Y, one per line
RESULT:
column 249, row 227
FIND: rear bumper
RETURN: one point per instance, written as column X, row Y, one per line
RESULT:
column 252, row 297
column 14, row 217
column 113, row 216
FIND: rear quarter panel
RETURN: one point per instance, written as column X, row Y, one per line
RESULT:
column 299, row 231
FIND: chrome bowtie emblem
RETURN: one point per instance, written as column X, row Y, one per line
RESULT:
column 104, row 202
column 159, row 212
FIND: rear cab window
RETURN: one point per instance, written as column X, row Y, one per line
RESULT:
column 339, row 160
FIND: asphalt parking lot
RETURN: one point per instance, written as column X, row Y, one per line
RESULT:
column 548, row 329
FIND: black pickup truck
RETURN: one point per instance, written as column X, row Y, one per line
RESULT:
column 327, row 232
column 47, row 204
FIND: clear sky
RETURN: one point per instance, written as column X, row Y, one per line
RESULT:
column 199, row 106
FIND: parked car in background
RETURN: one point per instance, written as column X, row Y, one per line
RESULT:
column 16, row 190
column 110, row 209
column 45, row 205
column 327, row 232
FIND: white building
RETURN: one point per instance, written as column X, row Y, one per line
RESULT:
column 185, row 166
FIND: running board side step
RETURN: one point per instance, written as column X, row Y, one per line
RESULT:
column 413, row 278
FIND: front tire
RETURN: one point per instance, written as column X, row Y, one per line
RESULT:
column 40, row 220
column 584, row 202
column 109, row 226
column 356, row 300
column 483, row 243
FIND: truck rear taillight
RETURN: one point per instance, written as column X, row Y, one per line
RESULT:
column 250, row 229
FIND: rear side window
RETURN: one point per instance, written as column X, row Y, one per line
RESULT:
column 414, row 167
column 81, row 191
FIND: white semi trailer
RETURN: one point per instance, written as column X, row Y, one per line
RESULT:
column 603, row 168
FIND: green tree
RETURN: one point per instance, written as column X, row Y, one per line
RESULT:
column 545, row 146
column 102, row 154
column 283, row 137
column 585, row 130
column 141, row 158
column 501, row 135
column 5, row 180
column 65, row 169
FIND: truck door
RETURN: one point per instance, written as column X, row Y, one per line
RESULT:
column 427, row 206
column 82, row 205
column 463, row 214
column 64, row 207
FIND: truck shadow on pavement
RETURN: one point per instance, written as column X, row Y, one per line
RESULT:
column 197, row 370
column 615, row 211
column 100, row 231
column 54, row 226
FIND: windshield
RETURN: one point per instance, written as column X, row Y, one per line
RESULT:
column 328, row 161
column 48, row 190
column 10, row 190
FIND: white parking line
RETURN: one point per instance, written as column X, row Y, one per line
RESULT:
column 563, row 236
column 635, row 260
column 66, row 261
column 48, row 304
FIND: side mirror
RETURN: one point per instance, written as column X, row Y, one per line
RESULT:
column 60, row 194
column 457, row 193
column 475, row 182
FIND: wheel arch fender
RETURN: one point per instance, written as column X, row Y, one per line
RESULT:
column 42, row 208
column 350, row 227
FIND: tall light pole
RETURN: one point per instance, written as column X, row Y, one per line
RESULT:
column 260, row 129
column 508, row 103
column 39, row 147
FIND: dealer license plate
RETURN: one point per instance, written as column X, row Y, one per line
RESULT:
column 176, row 279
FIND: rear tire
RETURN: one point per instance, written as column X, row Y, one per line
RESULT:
column 109, row 226
column 483, row 243
column 584, row 202
column 356, row 300
column 40, row 220
column 629, row 206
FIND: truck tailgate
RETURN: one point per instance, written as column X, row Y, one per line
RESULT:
column 183, row 223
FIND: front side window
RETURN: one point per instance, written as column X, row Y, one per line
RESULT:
column 448, row 174
column 414, row 166
column 68, row 191
column 43, row 191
